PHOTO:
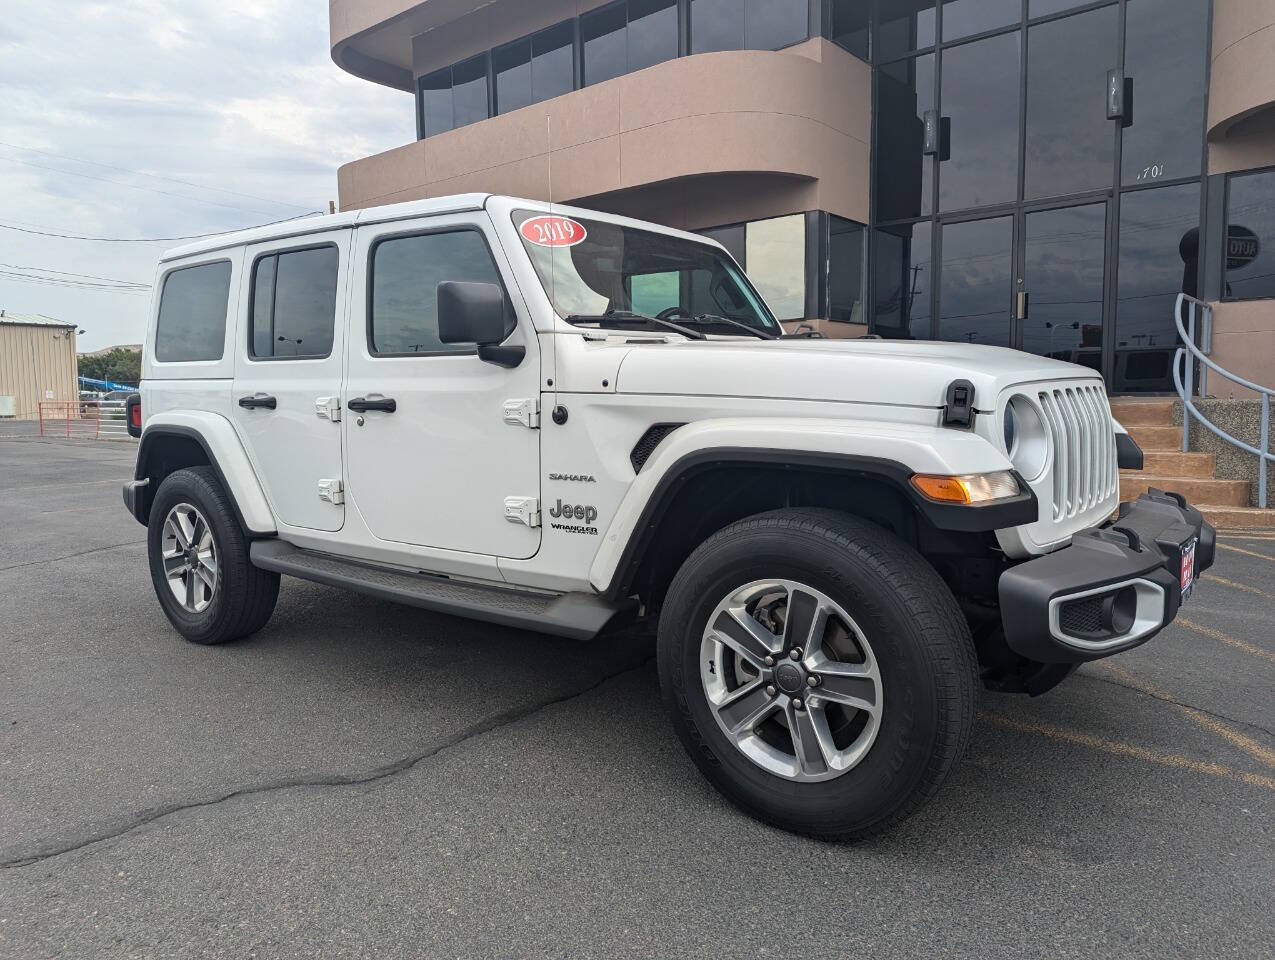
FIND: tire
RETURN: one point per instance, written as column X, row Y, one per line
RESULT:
column 240, row 598
column 918, row 673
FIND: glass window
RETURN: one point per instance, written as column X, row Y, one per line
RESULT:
column 963, row 18
column 773, row 24
column 747, row 24
column 1043, row 8
column 845, row 270
column 553, row 62
column 1064, row 256
column 848, row 25
column 294, row 304
column 406, row 272
column 1070, row 142
column 1250, row 236
column 192, row 313
column 605, row 49
column 902, row 26
column 775, row 251
column 717, row 25
column 732, row 238
column 469, row 91
column 980, row 95
column 976, row 282
column 652, row 32
column 903, row 176
column 1158, row 259
column 1166, row 45
column 903, row 276
column 436, row 103
column 623, row 269
column 628, row 36
column 512, row 66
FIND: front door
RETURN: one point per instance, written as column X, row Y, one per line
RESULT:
column 288, row 367
column 433, row 461
column 1063, row 277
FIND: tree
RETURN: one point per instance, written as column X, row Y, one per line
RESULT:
column 119, row 366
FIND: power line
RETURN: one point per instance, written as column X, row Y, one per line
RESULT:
column 73, row 285
column 194, row 236
column 81, row 276
column 156, row 176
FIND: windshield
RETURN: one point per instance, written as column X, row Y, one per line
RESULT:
column 591, row 268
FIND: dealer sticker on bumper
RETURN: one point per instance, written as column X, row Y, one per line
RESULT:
column 1188, row 568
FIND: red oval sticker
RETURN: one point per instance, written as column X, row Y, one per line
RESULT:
column 553, row 232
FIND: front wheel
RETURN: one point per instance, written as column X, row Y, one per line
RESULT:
column 818, row 671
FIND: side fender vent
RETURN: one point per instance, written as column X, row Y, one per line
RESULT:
column 646, row 445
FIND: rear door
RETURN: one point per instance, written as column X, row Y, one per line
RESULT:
column 286, row 399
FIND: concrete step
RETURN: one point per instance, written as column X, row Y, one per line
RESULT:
column 1155, row 438
column 1165, row 464
column 1239, row 518
column 1223, row 493
column 1157, row 412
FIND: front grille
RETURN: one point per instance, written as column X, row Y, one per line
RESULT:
column 1084, row 445
column 1080, row 617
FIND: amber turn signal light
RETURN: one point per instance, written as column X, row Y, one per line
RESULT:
column 970, row 488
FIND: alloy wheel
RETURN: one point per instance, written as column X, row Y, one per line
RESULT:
column 190, row 558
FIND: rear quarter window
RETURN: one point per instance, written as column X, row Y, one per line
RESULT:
column 192, row 313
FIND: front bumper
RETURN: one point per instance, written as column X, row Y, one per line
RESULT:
column 1113, row 588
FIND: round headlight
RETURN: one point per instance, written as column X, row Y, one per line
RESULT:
column 1026, row 438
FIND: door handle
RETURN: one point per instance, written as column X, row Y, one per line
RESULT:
column 252, row 403
column 363, row 404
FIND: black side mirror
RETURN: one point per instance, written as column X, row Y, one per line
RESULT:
column 478, row 313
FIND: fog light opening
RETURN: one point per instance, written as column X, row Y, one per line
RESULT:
column 1120, row 611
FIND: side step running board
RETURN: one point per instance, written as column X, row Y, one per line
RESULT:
column 580, row 616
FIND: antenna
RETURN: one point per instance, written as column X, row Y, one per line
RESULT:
column 559, row 411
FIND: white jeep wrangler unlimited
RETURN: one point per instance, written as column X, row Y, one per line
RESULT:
column 560, row 420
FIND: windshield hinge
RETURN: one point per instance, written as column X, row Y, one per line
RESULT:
column 524, row 413
column 524, row 510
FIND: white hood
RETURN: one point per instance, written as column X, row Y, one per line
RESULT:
column 896, row 372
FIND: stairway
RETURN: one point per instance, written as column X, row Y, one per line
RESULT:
column 1224, row 503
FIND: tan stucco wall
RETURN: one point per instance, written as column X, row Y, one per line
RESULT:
column 33, row 360
column 1243, row 343
column 798, row 122
column 1242, row 79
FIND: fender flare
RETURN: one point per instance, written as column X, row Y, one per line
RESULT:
column 890, row 452
column 225, row 453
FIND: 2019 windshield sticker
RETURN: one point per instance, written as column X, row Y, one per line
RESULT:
column 553, row 231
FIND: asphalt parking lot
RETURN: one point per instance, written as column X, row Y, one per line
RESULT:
column 362, row 779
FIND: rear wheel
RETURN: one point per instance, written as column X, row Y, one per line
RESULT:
column 199, row 563
column 818, row 671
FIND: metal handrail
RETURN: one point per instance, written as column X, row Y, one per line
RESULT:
column 1185, row 390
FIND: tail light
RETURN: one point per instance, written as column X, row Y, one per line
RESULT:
column 133, row 415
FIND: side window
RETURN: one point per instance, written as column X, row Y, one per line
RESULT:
column 192, row 313
column 406, row 272
column 294, row 304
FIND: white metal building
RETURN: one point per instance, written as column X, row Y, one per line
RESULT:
column 37, row 363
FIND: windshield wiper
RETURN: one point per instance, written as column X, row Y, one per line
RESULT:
column 626, row 318
column 716, row 318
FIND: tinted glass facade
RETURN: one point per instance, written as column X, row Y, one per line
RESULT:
column 1013, row 204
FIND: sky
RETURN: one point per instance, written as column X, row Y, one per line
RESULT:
column 164, row 118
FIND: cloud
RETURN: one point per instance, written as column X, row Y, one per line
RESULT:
column 230, row 94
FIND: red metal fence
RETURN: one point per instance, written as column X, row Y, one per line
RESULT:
column 89, row 419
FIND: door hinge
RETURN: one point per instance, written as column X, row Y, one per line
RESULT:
column 328, row 408
column 524, row 413
column 524, row 510
column 332, row 491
